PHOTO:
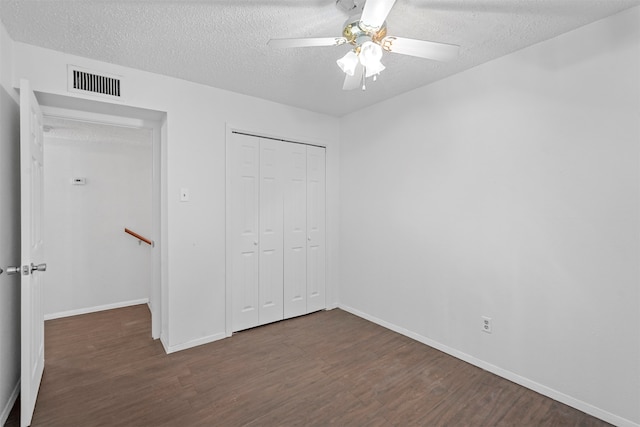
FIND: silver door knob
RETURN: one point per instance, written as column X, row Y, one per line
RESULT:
column 39, row 267
column 13, row 270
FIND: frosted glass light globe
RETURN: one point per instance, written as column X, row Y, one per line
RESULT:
column 370, row 54
column 348, row 63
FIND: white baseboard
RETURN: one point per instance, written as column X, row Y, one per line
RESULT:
column 9, row 406
column 192, row 343
column 95, row 309
column 513, row 377
column 164, row 342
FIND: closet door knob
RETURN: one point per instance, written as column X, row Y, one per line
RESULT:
column 255, row 243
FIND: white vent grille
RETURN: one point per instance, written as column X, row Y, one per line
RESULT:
column 88, row 82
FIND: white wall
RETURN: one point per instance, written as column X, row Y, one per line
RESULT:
column 512, row 191
column 9, row 231
column 194, row 264
column 91, row 262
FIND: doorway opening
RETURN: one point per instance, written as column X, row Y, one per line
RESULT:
column 103, row 175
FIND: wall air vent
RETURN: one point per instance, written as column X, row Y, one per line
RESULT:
column 96, row 84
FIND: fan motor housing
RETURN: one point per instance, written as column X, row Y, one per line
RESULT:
column 355, row 34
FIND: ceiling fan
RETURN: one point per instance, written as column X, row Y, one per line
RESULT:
column 368, row 36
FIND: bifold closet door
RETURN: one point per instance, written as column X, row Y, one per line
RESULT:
column 295, row 229
column 316, row 247
column 271, row 238
column 244, row 164
column 276, row 230
column 256, row 231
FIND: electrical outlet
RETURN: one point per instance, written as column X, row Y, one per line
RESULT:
column 486, row 324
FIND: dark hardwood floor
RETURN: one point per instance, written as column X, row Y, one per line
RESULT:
column 103, row 369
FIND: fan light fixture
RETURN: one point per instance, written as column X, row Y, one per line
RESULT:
column 367, row 54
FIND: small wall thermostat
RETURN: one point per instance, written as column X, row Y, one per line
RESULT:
column 78, row 181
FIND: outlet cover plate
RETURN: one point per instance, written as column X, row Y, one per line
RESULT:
column 486, row 324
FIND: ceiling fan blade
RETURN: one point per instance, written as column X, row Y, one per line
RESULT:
column 375, row 12
column 355, row 81
column 307, row 42
column 421, row 48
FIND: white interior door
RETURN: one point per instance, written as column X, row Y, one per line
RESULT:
column 295, row 229
column 32, row 254
column 316, row 256
column 244, row 229
column 270, row 243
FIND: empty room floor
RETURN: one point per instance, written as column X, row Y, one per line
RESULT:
column 330, row 367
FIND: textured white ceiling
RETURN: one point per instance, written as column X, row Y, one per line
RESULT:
column 222, row 43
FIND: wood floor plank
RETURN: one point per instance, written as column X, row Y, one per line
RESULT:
column 327, row 368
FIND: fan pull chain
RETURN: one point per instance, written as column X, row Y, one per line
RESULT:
column 364, row 79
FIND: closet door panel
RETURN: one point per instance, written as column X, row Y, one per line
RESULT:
column 295, row 227
column 316, row 250
column 244, row 200
column 271, row 238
